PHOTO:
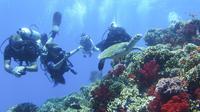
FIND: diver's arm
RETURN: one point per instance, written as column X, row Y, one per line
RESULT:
column 9, row 69
column 73, row 51
column 32, row 67
column 7, row 66
column 94, row 46
column 57, row 65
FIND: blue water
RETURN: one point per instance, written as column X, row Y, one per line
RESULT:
column 90, row 16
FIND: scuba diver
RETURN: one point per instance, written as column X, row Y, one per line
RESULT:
column 55, row 61
column 87, row 45
column 25, row 46
column 115, row 35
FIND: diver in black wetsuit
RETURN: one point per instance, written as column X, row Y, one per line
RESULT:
column 25, row 46
column 115, row 35
column 56, row 62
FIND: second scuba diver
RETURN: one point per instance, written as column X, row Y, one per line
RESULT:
column 88, row 47
column 56, row 62
column 54, row 59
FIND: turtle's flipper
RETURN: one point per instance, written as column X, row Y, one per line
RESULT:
column 101, row 64
column 57, row 18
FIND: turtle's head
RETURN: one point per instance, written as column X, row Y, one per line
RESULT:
column 134, row 40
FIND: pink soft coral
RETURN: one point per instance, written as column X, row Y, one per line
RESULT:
column 178, row 103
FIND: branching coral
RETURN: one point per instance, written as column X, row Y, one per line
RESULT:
column 131, row 99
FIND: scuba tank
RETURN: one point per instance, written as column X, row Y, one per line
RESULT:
column 29, row 34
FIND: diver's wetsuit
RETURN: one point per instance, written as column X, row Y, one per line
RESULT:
column 49, row 61
column 115, row 35
column 29, row 52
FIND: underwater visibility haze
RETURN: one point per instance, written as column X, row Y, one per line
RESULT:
column 168, row 63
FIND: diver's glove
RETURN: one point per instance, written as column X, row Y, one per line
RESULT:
column 19, row 71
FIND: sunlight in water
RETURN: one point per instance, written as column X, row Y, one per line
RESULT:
column 77, row 11
column 173, row 18
column 140, row 6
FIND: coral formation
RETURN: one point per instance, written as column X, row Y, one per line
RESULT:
column 170, row 86
column 178, row 103
column 149, row 72
column 180, row 34
column 117, row 70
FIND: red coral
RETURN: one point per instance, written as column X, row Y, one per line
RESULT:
column 178, row 103
column 151, row 90
column 101, row 93
column 101, row 96
column 149, row 72
column 118, row 70
column 131, row 76
column 197, row 93
column 155, row 104
column 121, row 109
column 190, row 29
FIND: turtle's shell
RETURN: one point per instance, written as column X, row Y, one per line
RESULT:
column 114, row 51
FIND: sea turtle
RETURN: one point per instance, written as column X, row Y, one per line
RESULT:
column 117, row 51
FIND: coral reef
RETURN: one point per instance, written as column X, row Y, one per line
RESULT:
column 180, row 34
column 24, row 107
column 163, row 77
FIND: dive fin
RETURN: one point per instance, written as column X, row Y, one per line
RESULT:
column 58, row 79
column 57, row 18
